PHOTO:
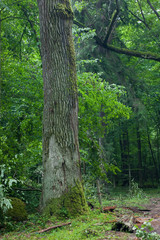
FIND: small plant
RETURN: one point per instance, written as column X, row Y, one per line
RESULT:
column 135, row 191
column 90, row 189
column 5, row 203
column 143, row 233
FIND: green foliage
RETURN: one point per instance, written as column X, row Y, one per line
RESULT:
column 80, row 5
column 90, row 189
column 5, row 184
column 135, row 191
column 21, row 101
column 21, row 90
column 143, row 233
column 97, row 98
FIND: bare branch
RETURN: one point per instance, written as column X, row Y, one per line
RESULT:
column 56, row 226
column 139, row 19
column 142, row 14
column 11, row 17
column 28, row 189
column 151, row 6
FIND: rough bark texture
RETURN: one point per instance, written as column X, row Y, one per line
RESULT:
column 60, row 121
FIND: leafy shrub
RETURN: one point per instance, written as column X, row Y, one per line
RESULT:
column 143, row 233
column 135, row 191
column 5, row 203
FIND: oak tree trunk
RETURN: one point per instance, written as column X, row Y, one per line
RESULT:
column 62, row 190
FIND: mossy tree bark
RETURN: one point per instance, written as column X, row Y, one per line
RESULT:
column 62, row 191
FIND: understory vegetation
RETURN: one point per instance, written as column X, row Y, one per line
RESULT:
column 96, row 224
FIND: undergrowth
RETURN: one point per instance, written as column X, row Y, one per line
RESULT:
column 90, row 226
column 93, row 225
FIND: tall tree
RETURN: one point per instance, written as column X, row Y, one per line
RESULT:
column 62, row 188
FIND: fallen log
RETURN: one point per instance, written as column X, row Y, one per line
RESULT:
column 124, row 224
column 136, row 209
column 109, row 209
column 53, row 227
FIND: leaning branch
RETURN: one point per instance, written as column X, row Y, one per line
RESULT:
column 56, row 226
column 141, row 20
column 79, row 24
column 11, row 17
column 154, row 10
column 142, row 14
column 134, row 53
column 28, row 189
column 110, row 27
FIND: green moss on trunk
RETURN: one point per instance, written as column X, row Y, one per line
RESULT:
column 71, row 203
column 64, row 11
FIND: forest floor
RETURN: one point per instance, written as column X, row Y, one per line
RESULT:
column 120, row 213
column 138, row 216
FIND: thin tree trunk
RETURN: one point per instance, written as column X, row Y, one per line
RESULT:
column 128, row 160
column 129, row 174
column 139, row 156
column 114, row 181
column 99, row 192
column 153, row 158
column 62, row 178
column 98, row 181
column 124, row 146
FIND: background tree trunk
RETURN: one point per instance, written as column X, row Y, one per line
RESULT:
column 140, row 165
column 62, row 179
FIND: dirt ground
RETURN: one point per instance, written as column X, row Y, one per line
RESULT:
column 137, row 216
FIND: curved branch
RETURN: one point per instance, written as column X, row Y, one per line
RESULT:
column 134, row 53
column 128, row 52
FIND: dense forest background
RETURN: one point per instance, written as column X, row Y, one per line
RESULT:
column 117, row 45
